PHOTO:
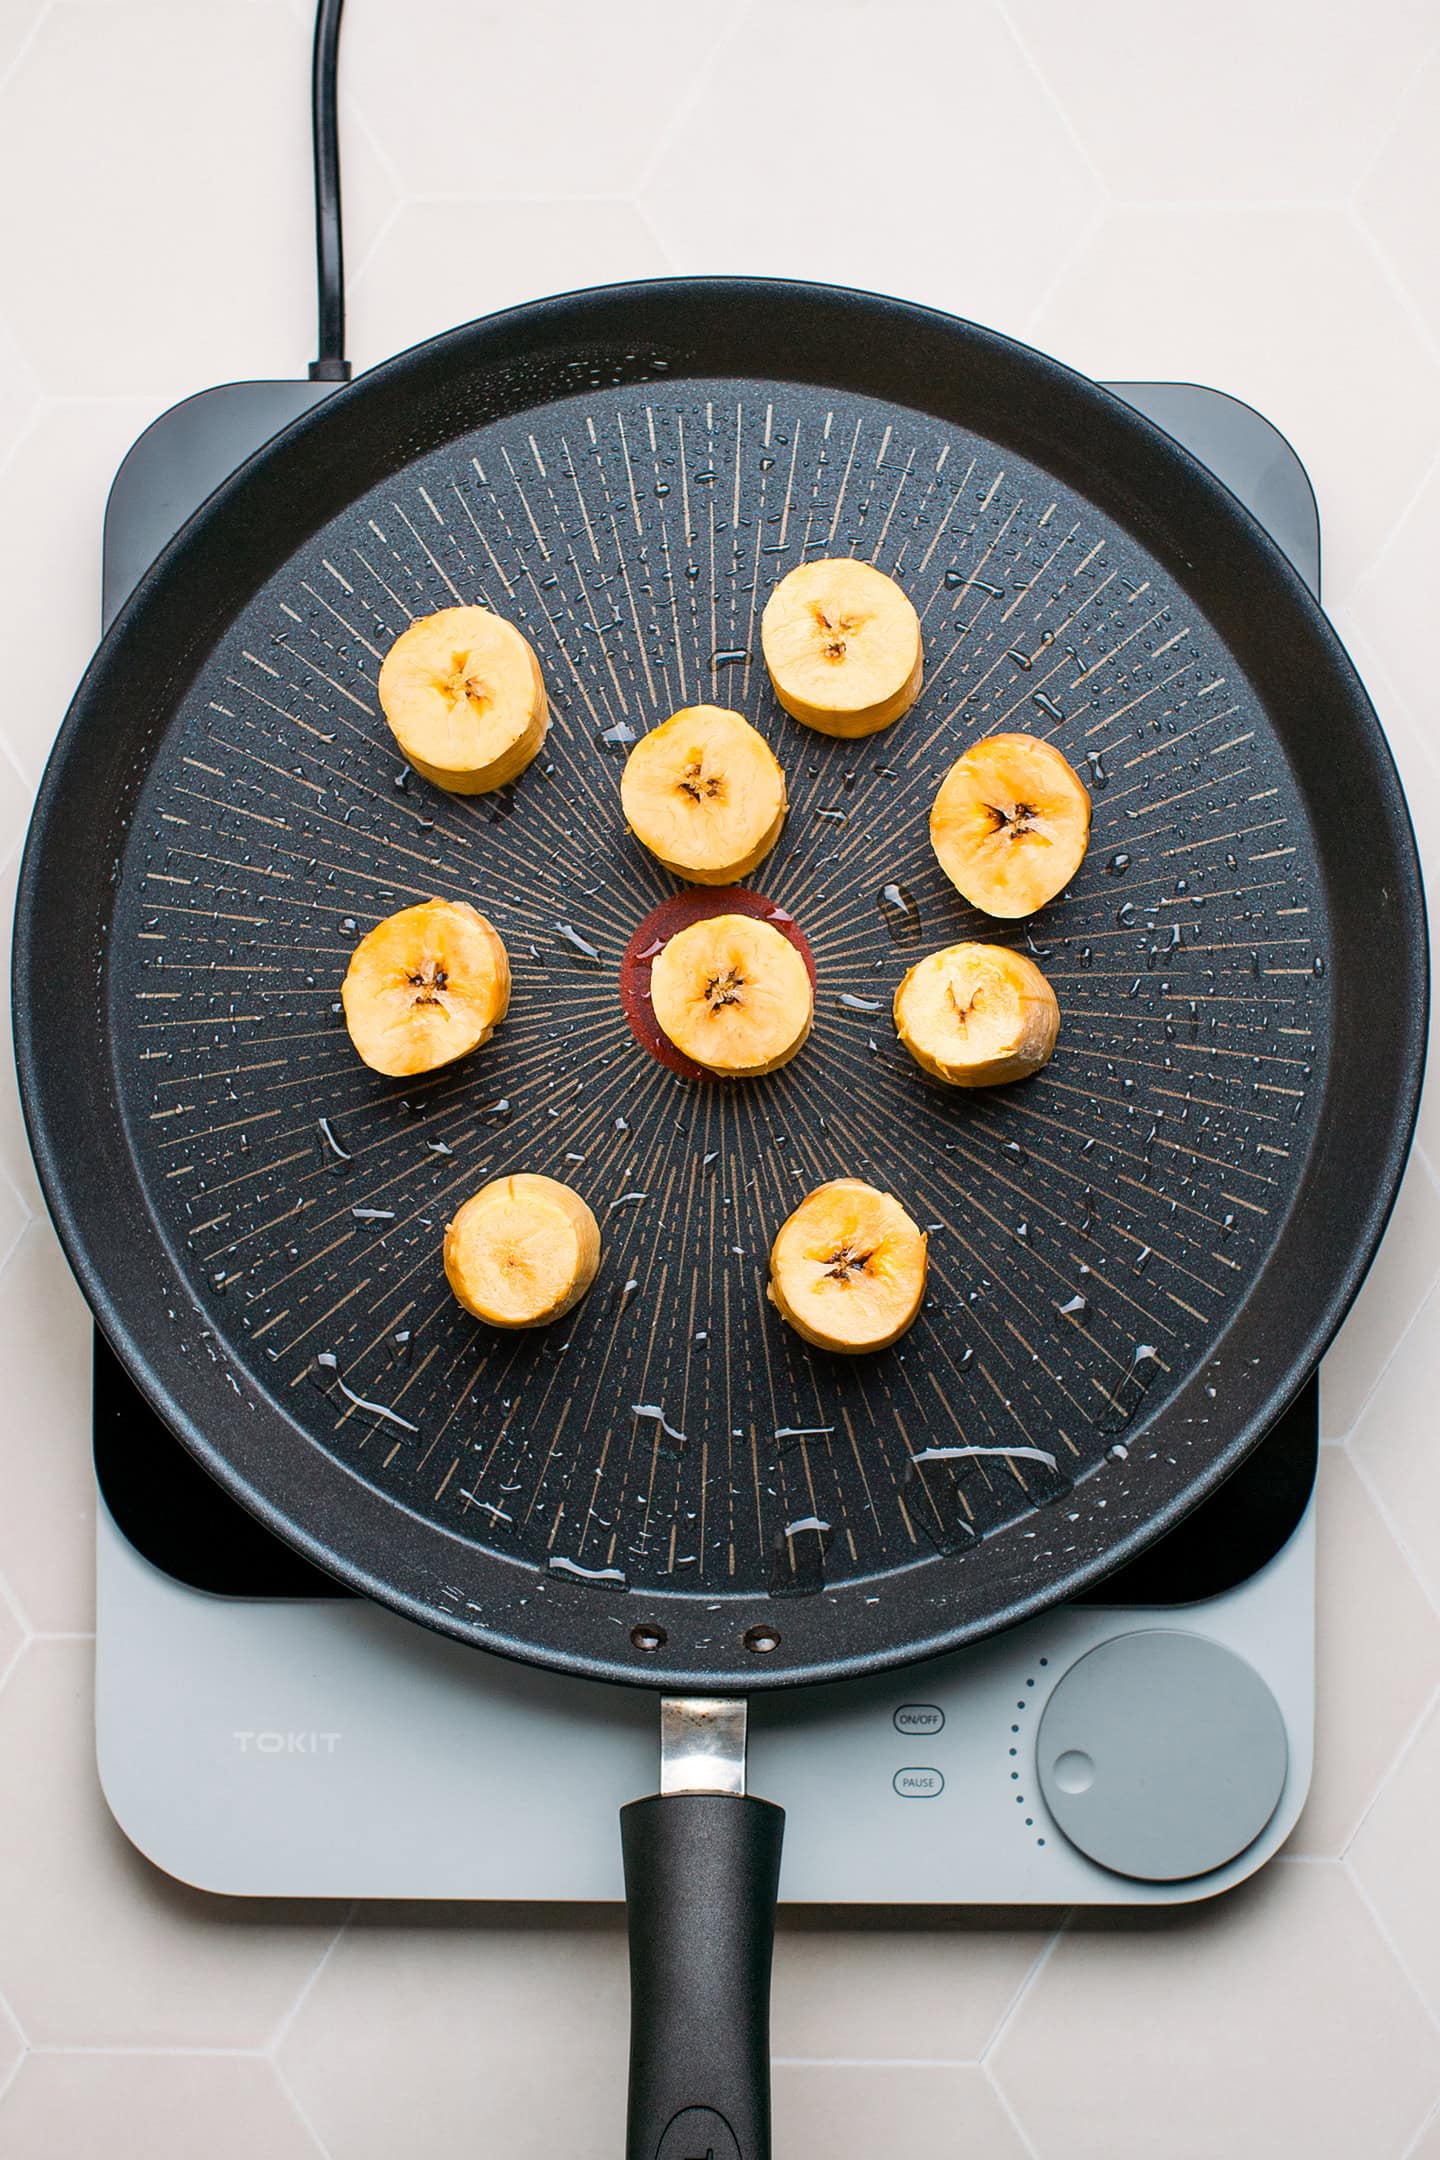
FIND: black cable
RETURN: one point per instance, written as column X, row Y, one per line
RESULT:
column 331, row 365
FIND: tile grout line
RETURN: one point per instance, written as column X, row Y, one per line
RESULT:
column 11, row 1604
column 1374, row 568
column 1052, row 98
column 1380, row 256
column 1037, row 1966
column 1430, row 2120
column 1417, row 1154
column 1088, row 230
column 23, row 2050
column 7, row 75
column 1003, row 2098
column 1392, row 1771
column 875, row 2062
column 1393, row 1530
column 298, row 2109
column 1390, row 1944
column 686, row 105
column 1407, row 100
column 129, row 2048
column 281, row 2033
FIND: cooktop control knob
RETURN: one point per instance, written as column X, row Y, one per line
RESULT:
column 1161, row 1755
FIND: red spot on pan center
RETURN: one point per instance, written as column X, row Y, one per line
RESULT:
column 697, row 903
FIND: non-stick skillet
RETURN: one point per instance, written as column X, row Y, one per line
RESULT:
column 1136, row 1258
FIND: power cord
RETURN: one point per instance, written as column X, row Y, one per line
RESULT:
column 331, row 364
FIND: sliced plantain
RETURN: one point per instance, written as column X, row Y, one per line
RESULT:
column 704, row 793
column 522, row 1251
column 1010, row 824
column 464, row 697
column 842, row 643
column 425, row 987
column 733, row 995
column 847, row 1269
column 977, row 1015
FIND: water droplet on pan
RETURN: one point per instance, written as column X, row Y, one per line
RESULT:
column 602, row 1578
column 797, row 1560
column 900, row 913
column 576, row 942
column 1130, row 1391
column 336, row 1155
column 327, row 1375
column 655, row 1412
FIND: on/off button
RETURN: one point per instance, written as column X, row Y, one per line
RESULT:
column 919, row 1717
column 919, row 1784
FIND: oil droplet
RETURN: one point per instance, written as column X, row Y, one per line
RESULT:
column 1099, row 778
column 1076, row 1308
column 1118, row 864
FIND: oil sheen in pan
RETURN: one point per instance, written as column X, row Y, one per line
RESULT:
column 1090, row 1232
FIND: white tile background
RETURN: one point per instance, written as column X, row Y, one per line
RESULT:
column 1244, row 192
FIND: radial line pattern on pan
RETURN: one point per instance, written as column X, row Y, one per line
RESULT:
column 634, row 537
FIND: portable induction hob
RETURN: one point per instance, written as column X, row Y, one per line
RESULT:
column 262, row 1732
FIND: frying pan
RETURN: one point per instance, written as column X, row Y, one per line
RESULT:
column 1137, row 1257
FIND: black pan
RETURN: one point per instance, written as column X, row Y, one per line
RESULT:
column 1137, row 1257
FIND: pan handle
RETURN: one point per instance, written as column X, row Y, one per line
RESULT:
column 701, row 1874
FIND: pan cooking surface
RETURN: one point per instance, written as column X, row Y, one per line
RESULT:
column 1091, row 1231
